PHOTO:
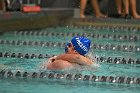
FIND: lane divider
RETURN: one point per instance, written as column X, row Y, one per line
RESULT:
column 32, row 43
column 112, row 47
column 129, row 29
column 23, row 55
column 60, row 76
column 101, row 59
column 117, row 37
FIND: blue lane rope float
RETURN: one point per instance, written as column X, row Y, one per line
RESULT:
column 101, row 59
column 113, row 47
column 118, row 37
column 80, row 77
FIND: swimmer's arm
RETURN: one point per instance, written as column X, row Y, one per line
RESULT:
column 74, row 58
column 84, row 60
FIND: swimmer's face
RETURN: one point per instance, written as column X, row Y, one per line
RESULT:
column 70, row 49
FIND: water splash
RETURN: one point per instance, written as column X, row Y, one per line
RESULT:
column 94, row 59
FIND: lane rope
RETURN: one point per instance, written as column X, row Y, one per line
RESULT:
column 129, row 29
column 118, row 37
column 101, row 59
column 113, row 47
column 60, row 76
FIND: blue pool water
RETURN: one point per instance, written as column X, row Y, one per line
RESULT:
column 63, row 35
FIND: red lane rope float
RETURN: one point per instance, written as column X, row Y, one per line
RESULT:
column 31, row 8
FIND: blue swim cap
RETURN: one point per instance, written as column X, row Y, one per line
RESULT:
column 81, row 44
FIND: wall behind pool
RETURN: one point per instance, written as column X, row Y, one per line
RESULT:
column 16, row 20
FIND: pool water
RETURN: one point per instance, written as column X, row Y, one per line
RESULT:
column 63, row 35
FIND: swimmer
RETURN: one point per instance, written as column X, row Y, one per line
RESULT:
column 74, row 55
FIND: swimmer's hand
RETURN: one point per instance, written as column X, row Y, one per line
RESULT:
column 52, row 59
column 46, row 62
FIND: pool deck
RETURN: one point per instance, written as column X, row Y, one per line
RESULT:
column 10, row 21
